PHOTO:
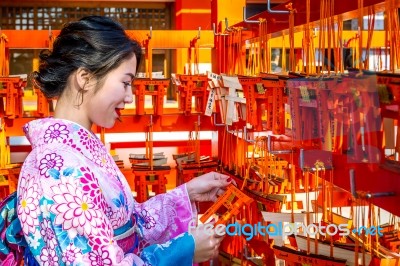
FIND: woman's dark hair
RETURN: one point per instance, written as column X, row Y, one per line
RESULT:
column 98, row 44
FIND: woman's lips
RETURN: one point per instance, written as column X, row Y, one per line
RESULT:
column 118, row 111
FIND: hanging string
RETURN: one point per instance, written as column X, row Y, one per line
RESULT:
column 244, row 158
column 368, row 241
column 306, row 44
column 357, row 240
column 266, row 168
column 283, row 52
column 189, row 61
column 267, row 54
column 196, row 58
column 4, row 147
column 307, row 40
column 235, row 51
column 261, row 45
column 230, row 52
column 376, row 223
column 330, row 206
column 329, row 30
column 321, row 40
column 309, row 43
column 333, row 33
column 292, row 60
column 360, row 29
column 339, row 47
column 306, row 188
column 257, row 60
column 363, row 235
column 263, row 37
column 393, row 34
column 371, row 23
column 224, row 53
column 4, row 58
column 239, row 57
column 249, row 61
column 355, row 51
column 252, row 63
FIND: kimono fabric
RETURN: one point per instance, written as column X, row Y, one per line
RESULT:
column 76, row 207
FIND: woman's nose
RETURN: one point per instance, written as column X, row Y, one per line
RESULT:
column 129, row 96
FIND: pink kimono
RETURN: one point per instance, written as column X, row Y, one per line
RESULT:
column 76, row 207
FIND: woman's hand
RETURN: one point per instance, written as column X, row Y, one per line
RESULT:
column 207, row 187
column 207, row 242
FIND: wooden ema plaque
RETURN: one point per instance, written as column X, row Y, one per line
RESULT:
column 233, row 200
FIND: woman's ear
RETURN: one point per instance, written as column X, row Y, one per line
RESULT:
column 82, row 77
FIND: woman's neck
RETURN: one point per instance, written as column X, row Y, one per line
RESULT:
column 66, row 109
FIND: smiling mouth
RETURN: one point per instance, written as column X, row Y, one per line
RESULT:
column 118, row 111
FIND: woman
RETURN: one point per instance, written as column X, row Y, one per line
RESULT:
column 74, row 205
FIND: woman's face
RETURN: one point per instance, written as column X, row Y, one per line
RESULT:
column 104, row 105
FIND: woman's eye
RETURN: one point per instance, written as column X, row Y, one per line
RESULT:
column 127, row 84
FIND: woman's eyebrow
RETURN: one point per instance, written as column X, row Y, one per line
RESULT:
column 131, row 75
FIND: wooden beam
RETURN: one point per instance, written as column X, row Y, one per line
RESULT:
column 161, row 39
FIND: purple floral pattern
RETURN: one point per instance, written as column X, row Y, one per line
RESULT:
column 100, row 257
column 70, row 254
column 119, row 218
column 48, row 234
column 50, row 161
column 101, row 158
column 148, row 219
column 56, row 132
column 49, row 257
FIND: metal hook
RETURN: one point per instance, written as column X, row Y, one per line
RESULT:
column 229, row 131
column 215, row 119
column 246, row 136
column 367, row 195
column 215, row 33
column 275, row 11
column 227, row 25
column 243, row 133
column 252, row 259
column 245, row 18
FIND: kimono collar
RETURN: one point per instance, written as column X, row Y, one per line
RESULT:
column 53, row 130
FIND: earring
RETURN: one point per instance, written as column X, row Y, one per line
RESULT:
column 79, row 98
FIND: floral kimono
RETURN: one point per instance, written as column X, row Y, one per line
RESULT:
column 76, row 207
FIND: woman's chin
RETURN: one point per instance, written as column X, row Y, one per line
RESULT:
column 108, row 124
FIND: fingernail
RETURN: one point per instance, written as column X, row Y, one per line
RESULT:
column 229, row 179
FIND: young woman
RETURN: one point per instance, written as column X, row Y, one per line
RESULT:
column 74, row 205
